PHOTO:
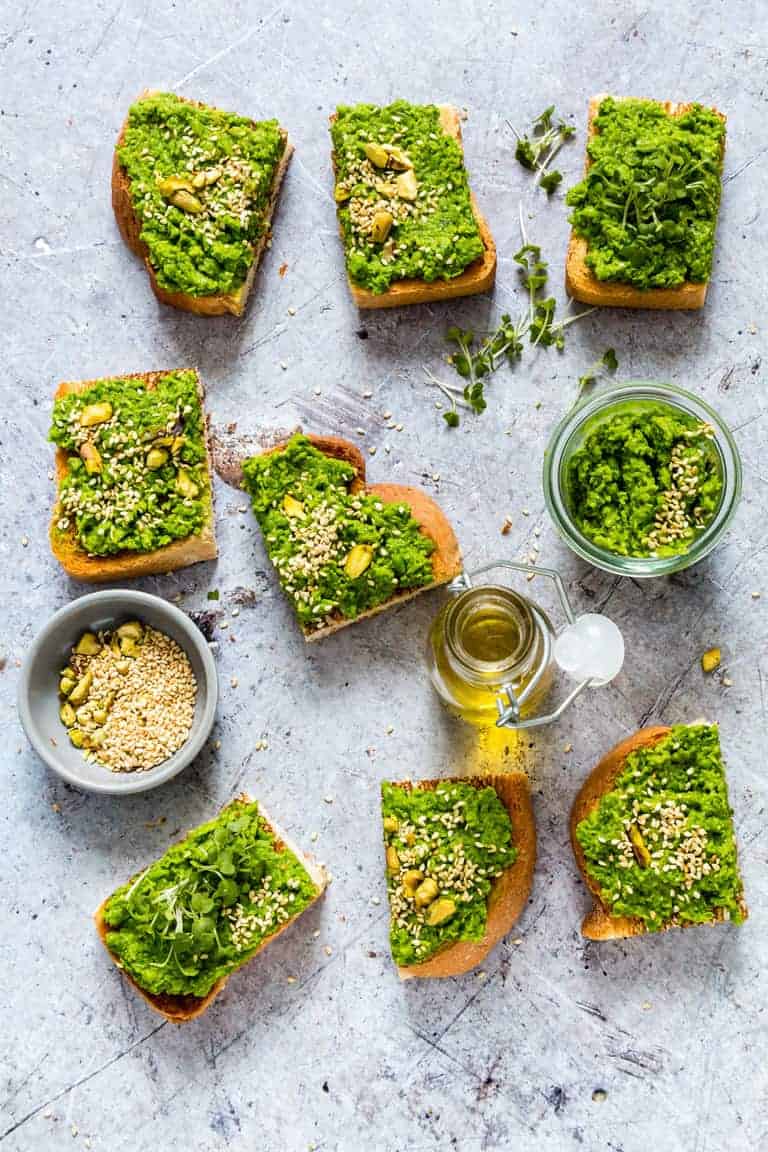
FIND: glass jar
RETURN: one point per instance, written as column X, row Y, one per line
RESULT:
column 485, row 641
column 571, row 433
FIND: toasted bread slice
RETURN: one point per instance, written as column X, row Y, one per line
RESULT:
column 216, row 304
column 180, row 1009
column 581, row 284
column 599, row 924
column 127, row 565
column 509, row 891
column 446, row 558
column 478, row 277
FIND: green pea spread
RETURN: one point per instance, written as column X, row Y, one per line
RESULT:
column 137, row 476
column 207, row 905
column 403, row 196
column 335, row 553
column 201, row 182
column 648, row 204
column 645, row 482
column 444, row 848
column 660, row 844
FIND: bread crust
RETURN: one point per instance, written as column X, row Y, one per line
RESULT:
column 128, row 565
column 509, row 891
column 478, row 277
column 215, row 304
column 582, row 285
column 180, row 1009
column 599, row 924
column 446, row 558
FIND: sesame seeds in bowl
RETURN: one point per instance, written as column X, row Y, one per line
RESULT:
column 147, row 703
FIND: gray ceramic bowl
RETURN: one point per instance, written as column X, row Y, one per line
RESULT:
column 38, row 691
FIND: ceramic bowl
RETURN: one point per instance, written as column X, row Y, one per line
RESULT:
column 39, row 701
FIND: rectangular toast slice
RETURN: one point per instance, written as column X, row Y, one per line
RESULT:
column 582, row 285
column 477, row 277
column 210, row 304
column 129, row 564
column 180, row 1008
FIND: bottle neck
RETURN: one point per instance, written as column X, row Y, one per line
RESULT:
column 492, row 637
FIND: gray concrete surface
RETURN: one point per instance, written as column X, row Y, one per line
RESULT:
column 670, row 1032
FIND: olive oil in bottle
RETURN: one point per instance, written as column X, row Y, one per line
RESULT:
column 484, row 641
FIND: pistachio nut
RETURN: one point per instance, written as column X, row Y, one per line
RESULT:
column 393, row 860
column 132, row 629
column 382, row 222
column 426, row 892
column 293, row 508
column 377, row 154
column 211, row 175
column 407, row 185
column 129, row 647
column 67, row 714
column 440, row 911
column 79, row 693
column 412, row 879
column 91, row 457
column 186, row 485
column 341, row 194
column 186, row 202
column 170, row 185
column 358, row 560
column 397, row 158
column 88, row 645
column 639, row 846
column 100, row 716
column 66, row 684
column 95, row 414
column 198, row 180
column 77, row 737
column 391, row 824
column 386, row 189
column 156, row 457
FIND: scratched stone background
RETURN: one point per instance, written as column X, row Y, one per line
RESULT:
column 669, row 1033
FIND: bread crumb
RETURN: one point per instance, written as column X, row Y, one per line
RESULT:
column 314, row 837
column 290, row 979
column 599, row 1095
column 390, row 729
column 755, row 595
column 56, row 807
column 526, row 512
column 24, row 541
column 727, row 682
column 506, row 527
column 74, row 1130
column 328, row 950
column 235, row 611
column 567, row 747
column 517, row 940
column 234, row 681
column 646, row 1005
column 291, row 311
column 375, row 900
column 328, row 799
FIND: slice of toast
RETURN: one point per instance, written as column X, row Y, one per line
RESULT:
column 580, row 282
column 509, row 891
column 215, row 304
column 446, row 558
column 478, row 277
column 180, row 1009
column 128, row 565
column 600, row 924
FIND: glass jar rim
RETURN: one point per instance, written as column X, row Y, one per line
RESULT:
column 573, row 423
column 491, row 671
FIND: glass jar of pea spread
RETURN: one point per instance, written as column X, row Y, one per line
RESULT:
column 642, row 480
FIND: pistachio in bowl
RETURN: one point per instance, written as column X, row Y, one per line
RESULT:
column 118, row 692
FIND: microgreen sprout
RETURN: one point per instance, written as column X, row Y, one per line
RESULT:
column 537, row 150
column 608, row 362
column 476, row 362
